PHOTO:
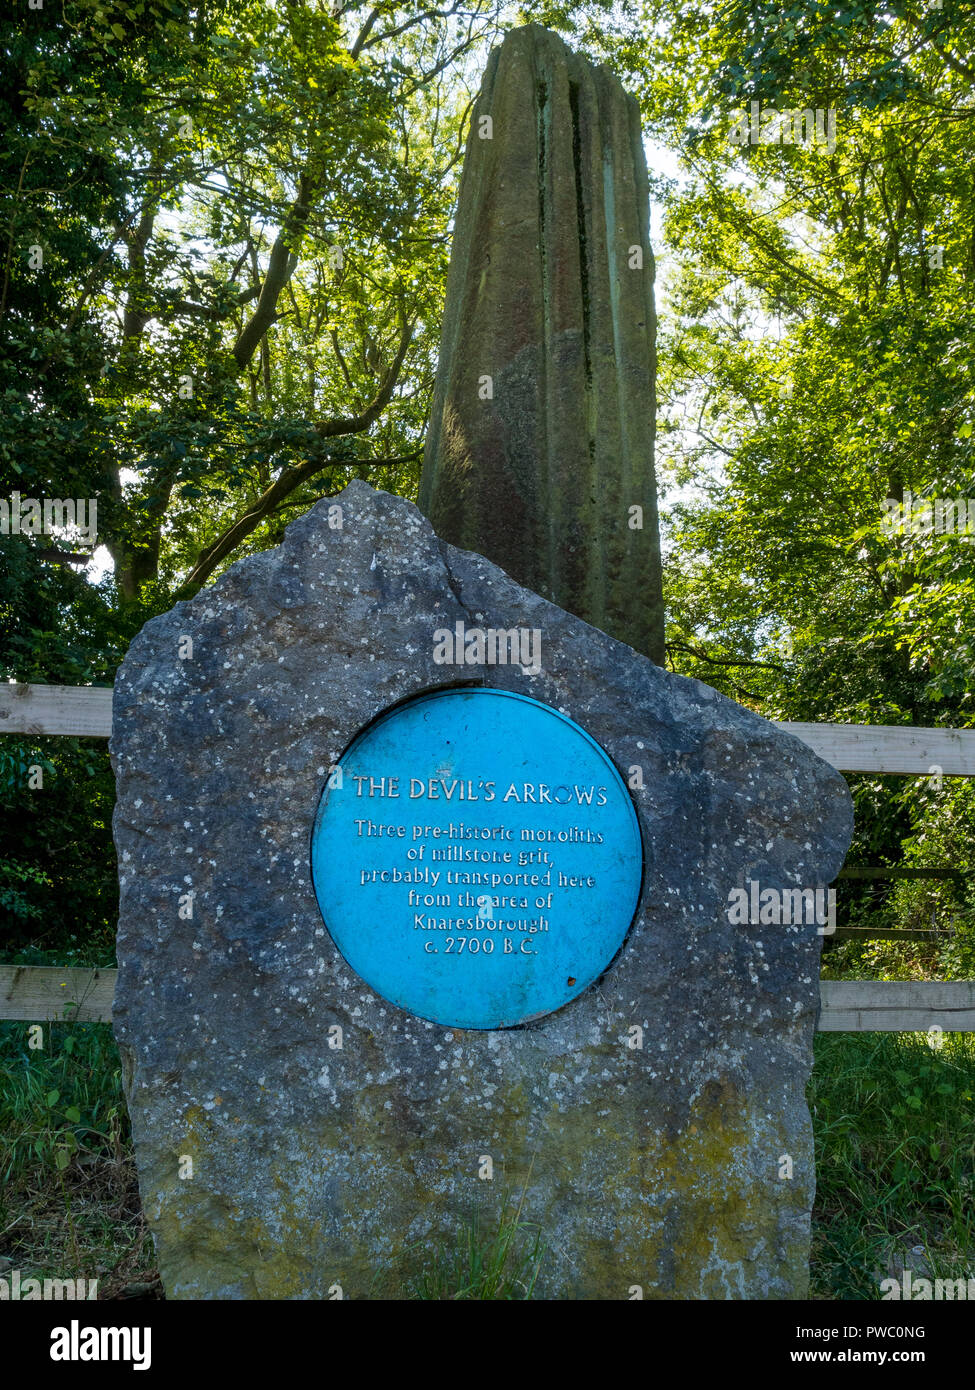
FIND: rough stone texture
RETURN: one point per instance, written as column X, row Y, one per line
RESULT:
column 541, row 297
column 313, row 1167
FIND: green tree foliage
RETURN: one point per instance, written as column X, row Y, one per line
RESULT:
column 816, row 360
column 244, row 298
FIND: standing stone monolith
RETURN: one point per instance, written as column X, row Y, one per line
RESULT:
column 300, row 1134
column 540, row 450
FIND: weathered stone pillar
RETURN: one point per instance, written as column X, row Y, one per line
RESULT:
column 540, row 448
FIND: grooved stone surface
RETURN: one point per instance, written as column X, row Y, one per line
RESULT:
column 314, row 1167
column 550, row 295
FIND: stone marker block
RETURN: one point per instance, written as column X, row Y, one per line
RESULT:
column 298, row 1136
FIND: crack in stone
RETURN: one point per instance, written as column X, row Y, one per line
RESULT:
column 454, row 588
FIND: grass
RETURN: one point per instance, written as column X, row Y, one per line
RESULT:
column 894, row 1121
column 69, row 1198
column 501, row 1263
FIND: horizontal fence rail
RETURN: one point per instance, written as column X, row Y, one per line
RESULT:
column 84, row 711
column 87, row 710
column 897, row 1006
column 45, row 994
column 891, row 748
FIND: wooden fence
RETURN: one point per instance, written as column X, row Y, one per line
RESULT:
column 42, row 993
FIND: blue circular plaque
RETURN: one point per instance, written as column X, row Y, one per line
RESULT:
column 476, row 858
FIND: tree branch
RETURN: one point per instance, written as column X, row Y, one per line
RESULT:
column 399, row 28
column 355, row 424
column 341, row 360
column 55, row 556
column 281, row 267
column 89, row 288
column 364, row 33
column 291, row 478
column 724, row 661
column 209, row 311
